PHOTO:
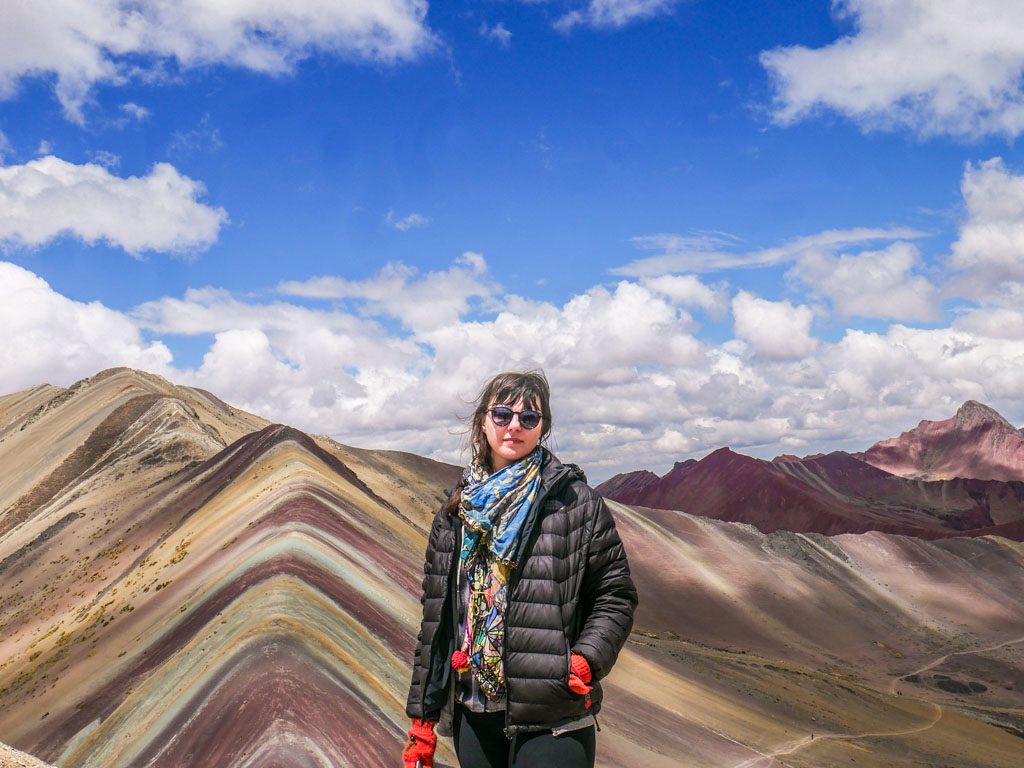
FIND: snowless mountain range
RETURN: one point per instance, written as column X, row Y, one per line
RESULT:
column 960, row 476
column 185, row 584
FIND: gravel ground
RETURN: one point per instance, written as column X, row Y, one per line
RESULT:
column 12, row 758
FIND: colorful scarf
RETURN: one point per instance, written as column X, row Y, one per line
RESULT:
column 493, row 509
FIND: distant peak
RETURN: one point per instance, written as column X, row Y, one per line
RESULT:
column 972, row 413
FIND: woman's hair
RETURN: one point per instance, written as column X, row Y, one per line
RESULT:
column 508, row 388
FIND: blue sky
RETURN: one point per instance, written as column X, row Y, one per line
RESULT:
column 780, row 226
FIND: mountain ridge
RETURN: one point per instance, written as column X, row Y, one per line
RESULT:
column 844, row 492
column 976, row 442
column 255, row 605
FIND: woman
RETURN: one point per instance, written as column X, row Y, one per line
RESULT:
column 527, row 598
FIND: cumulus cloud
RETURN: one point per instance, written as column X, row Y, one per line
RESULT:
column 689, row 291
column 776, row 330
column 870, row 283
column 291, row 363
column 343, row 372
column 299, row 329
column 49, row 197
column 407, row 222
column 49, row 338
column 633, row 386
column 934, row 66
column 992, row 322
column 420, row 301
column 614, row 13
column 84, row 42
column 988, row 255
column 716, row 251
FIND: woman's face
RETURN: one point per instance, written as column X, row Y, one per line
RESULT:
column 510, row 443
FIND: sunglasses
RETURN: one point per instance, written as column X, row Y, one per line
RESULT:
column 502, row 415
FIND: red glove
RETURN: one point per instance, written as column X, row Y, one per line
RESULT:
column 420, row 745
column 579, row 675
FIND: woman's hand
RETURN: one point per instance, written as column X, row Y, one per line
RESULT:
column 579, row 675
column 419, row 747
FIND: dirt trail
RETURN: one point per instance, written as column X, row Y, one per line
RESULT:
column 942, row 659
column 767, row 759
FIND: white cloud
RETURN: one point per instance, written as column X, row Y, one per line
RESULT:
column 419, row 301
column 934, row 66
column 45, row 148
column 633, row 387
column 777, row 330
column 134, row 111
column 299, row 329
column 614, row 13
column 107, row 159
column 49, row 338
column 870, row 283
column 988, row 255
column 992, row 322
column 49, row 197
column 203, row 138
column 914, row 368
column 348, row 375
column 84, row 42
column 689, row 291
column 498, row 32
column 712, row 252
column 407, row 222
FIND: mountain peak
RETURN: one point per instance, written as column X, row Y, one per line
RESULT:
column 972, row 413
column 976, row 442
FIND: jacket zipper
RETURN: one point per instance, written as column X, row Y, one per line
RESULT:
column 513, row 581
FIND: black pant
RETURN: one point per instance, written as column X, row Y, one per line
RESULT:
column 480, row 742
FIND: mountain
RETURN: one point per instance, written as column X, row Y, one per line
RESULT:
column 830, row 494
column 872, row 642
column 186, row 584
column 976, row 442
column 629, row 486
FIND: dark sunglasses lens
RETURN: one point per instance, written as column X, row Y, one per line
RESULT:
column 529, row 419
column 501, row 416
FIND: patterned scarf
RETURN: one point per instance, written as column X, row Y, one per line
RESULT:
column 493, row 509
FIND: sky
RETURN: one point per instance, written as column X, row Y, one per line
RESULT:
column 785, row 227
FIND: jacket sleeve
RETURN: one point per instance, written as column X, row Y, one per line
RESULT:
column 608, row 597
column 413, row 706
column 414, row 702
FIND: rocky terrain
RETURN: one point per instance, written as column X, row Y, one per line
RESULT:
column 185, row 584
column 12, row 758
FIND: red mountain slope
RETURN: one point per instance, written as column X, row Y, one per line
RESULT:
column 976, row 442
column 836, row 493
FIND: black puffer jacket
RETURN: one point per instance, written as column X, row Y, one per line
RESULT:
column 572, row 591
